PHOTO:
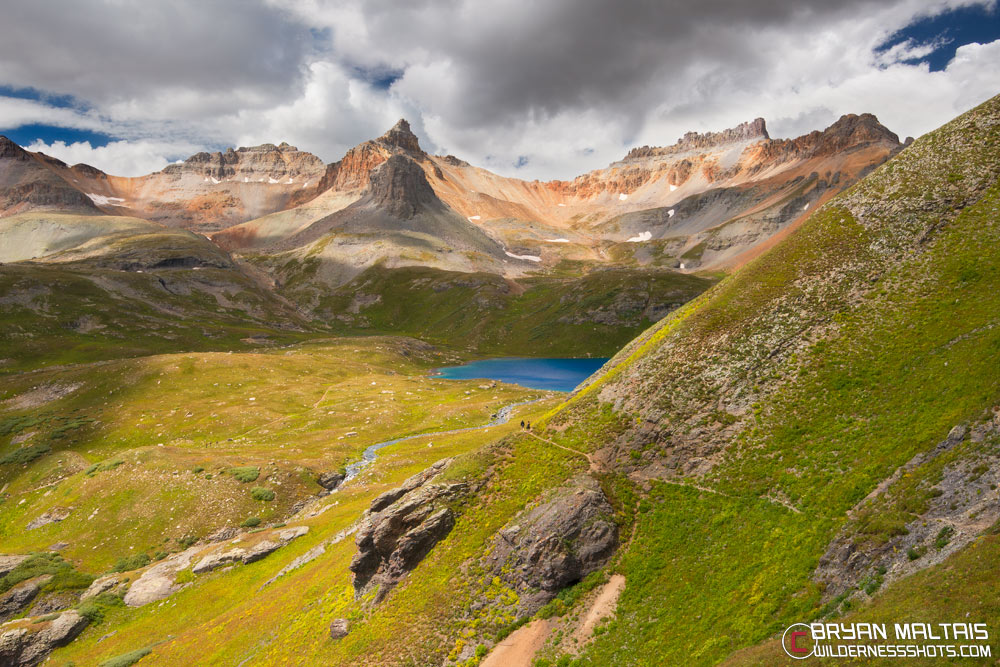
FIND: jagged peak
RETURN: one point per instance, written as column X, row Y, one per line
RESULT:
column 755, row 129
column 401, row 136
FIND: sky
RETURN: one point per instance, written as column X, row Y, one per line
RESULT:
column 529, row 89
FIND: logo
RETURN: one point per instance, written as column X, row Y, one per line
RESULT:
column 797, row 641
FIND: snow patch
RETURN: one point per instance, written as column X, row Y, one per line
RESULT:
column 672, row 187
column 557, row 240
column 806, row 206
column 562, row 205
column 622, row 197
column 215, row 181
column 290, row 181
column 645, row 236
column 670, row 213
column 101, row 200
column 475, row 217
column 246, row 179
column 272, row 181
column 530, row 258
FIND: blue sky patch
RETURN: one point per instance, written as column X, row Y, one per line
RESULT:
column 955, row 28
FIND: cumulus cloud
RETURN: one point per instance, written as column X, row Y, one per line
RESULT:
column 119, row 157
column 538, row 90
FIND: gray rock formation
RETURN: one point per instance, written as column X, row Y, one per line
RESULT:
column 556, row 543
column 249, row 554
column 27, row 646
column 330, row 480
column 339, row 628
column 101, row 585
column 52, row 516
column 400, row 529
column 159, row 581
column 17, row 599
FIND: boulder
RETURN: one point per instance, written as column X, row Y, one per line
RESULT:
column 401, row 528
column 339, row 628
column 160, row 580
column 555, row 544
column 330, row 480
column 26, row 646
column 100, row 585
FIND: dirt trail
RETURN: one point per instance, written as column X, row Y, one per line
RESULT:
column 594, row 465
column 520, row 647
column 602, row 607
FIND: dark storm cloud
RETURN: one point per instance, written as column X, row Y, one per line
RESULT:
column 512, row 59
column 117, row 51
column 534, row 88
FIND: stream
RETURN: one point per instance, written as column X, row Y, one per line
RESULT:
column 502, row 416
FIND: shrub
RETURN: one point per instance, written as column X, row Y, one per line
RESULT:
column 185, row 576
column 66, row 579
column 913, row 553
column 133, row 562
column 127, row 659
column 96, row 607
column 187, row 540
column 252, row 522
column 246, row 474
column 36, row 565
column 943, row 537
column 261, row 493
column 110, row 464
column 26, row 454
column 160, row 555
column 198, row 469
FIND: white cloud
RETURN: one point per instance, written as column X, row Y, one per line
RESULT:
column 121, row 158
column 533, row 90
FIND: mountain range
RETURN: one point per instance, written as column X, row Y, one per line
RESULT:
column 222, row 434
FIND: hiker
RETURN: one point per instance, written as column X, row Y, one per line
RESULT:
column 528, row 426
column 522, row 424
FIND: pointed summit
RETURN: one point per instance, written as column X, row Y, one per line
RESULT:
column 401, row 137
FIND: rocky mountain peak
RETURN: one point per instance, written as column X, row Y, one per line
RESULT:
column 755, row 129
column 9, row 149
column 400, row 187
column 402, row 137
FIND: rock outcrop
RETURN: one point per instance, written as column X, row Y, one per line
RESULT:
column 251, row 553
column 266, row 163
column 330, row 480
column 28, row 644
column 400, row 529
column 556, row 543
column 749, row 131
column 17, row 599
column 9, row 562
column 400, row 188
column 54, row 515
column 160, row 580
column 961, row 505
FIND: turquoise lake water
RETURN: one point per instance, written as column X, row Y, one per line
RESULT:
column 534, row 373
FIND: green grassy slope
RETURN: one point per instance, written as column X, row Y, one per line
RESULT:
column 793, row 388
column 578, row 314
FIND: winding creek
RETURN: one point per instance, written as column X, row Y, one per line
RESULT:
column 502, row 416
